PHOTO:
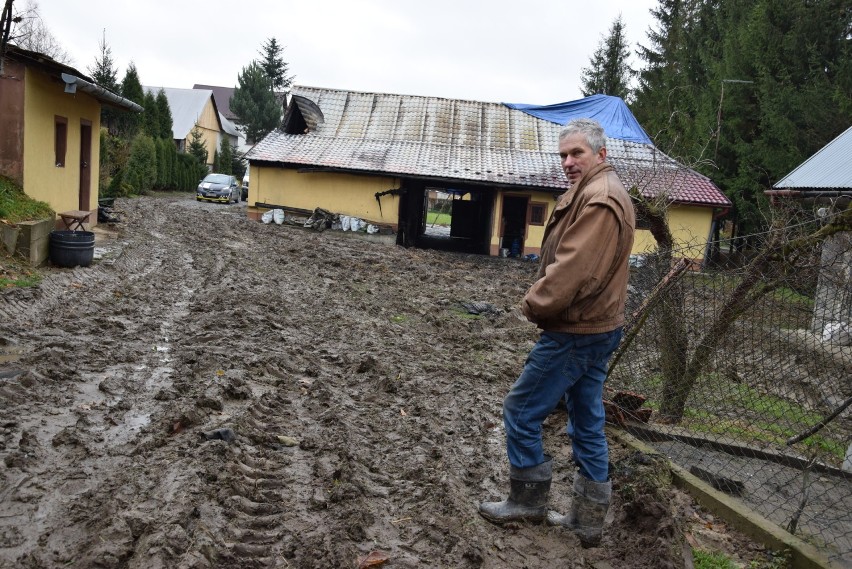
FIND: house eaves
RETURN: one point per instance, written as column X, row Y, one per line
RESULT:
column 456, row 140
column 71, row 78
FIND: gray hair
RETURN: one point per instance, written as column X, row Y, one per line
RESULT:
column 589, row 128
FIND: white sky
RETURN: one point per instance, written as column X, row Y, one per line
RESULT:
column 520, row 52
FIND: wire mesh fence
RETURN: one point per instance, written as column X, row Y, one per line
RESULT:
column 741, row 371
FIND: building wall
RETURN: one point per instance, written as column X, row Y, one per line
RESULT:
column 208, row 122
column 12, row 121
column 345, row 194
column 690, row 227
column 42, row 179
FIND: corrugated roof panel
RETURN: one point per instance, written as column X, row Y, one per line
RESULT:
column 186, row 106
column 829, row 168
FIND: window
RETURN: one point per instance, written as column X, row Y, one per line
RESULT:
column 537, row 213
column 60, row 142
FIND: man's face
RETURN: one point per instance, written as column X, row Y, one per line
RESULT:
column 577, row 156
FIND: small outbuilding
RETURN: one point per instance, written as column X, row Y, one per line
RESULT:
column 386, row 158
column 824, row 182
column 50, row 118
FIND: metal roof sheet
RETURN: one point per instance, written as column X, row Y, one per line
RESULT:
column 453, row 139
column 829, row 168
column 186, row 106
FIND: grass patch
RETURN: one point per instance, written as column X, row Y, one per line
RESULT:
column 711, row 560
column 15, row 206
column 462, row 313
column 14, row 273
column 437, row 218
column 721, row 408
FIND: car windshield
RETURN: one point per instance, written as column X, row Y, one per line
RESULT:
column 217, row 178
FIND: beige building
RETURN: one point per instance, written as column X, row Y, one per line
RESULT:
column 196, row 109
column 49, row 123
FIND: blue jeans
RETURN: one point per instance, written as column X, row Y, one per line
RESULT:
column 561, row 364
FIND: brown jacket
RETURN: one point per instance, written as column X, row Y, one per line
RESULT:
column 582, row 280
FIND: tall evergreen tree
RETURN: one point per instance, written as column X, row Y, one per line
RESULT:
column 197, row 147
column 151, row 115
column 166, row 129
column 226, row 158
column 745, row 91
column 105, row 74
column 662, row 105
column 103, row 70
column 238, row 164
column 274, row 65
column 610, row 72
column 131, row 89
column 255, row 103
column 793, row 55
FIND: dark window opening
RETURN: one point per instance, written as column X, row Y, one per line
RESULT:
column 60, row 142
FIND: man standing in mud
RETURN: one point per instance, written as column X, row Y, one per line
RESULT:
column 578, row 303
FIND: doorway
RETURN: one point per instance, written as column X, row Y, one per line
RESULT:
column 85, row 191
column 513, row 224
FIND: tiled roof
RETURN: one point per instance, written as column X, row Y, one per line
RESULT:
column 458, row 140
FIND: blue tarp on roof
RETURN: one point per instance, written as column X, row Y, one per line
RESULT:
column 611, row 112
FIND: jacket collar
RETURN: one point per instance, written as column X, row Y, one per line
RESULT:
column 568, row 197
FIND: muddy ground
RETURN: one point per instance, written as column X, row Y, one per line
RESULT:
column 363, row 399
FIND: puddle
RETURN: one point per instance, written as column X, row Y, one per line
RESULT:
column 135, row 422
column 8, row 355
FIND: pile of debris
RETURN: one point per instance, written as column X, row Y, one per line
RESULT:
column 322, row 219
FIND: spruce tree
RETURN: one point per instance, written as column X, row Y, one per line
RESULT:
column 274, row 65
column 238, row 165
column 151, row 115
column 665, row 99
column 166, row 129
column 105, row 74
column 197, row 147
column 610, row 72
column 255, row 103
column 131, row 88
column 226, row 158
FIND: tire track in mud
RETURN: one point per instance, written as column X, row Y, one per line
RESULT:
column 94, row 414
column 364, row 403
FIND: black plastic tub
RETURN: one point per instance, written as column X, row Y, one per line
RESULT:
column 72, row 248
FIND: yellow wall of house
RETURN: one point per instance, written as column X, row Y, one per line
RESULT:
column 535, row 233
column 690, row 227
column 43, row 180
column 344, row 194
column 208, row 124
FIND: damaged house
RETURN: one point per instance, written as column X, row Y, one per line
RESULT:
column 383, row 158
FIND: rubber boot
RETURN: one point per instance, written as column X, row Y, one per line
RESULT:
column 527, row 501
column 588, row 510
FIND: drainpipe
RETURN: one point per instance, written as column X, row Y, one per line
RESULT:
column 102, row 94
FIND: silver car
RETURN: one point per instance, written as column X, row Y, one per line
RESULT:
column 218, row 188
